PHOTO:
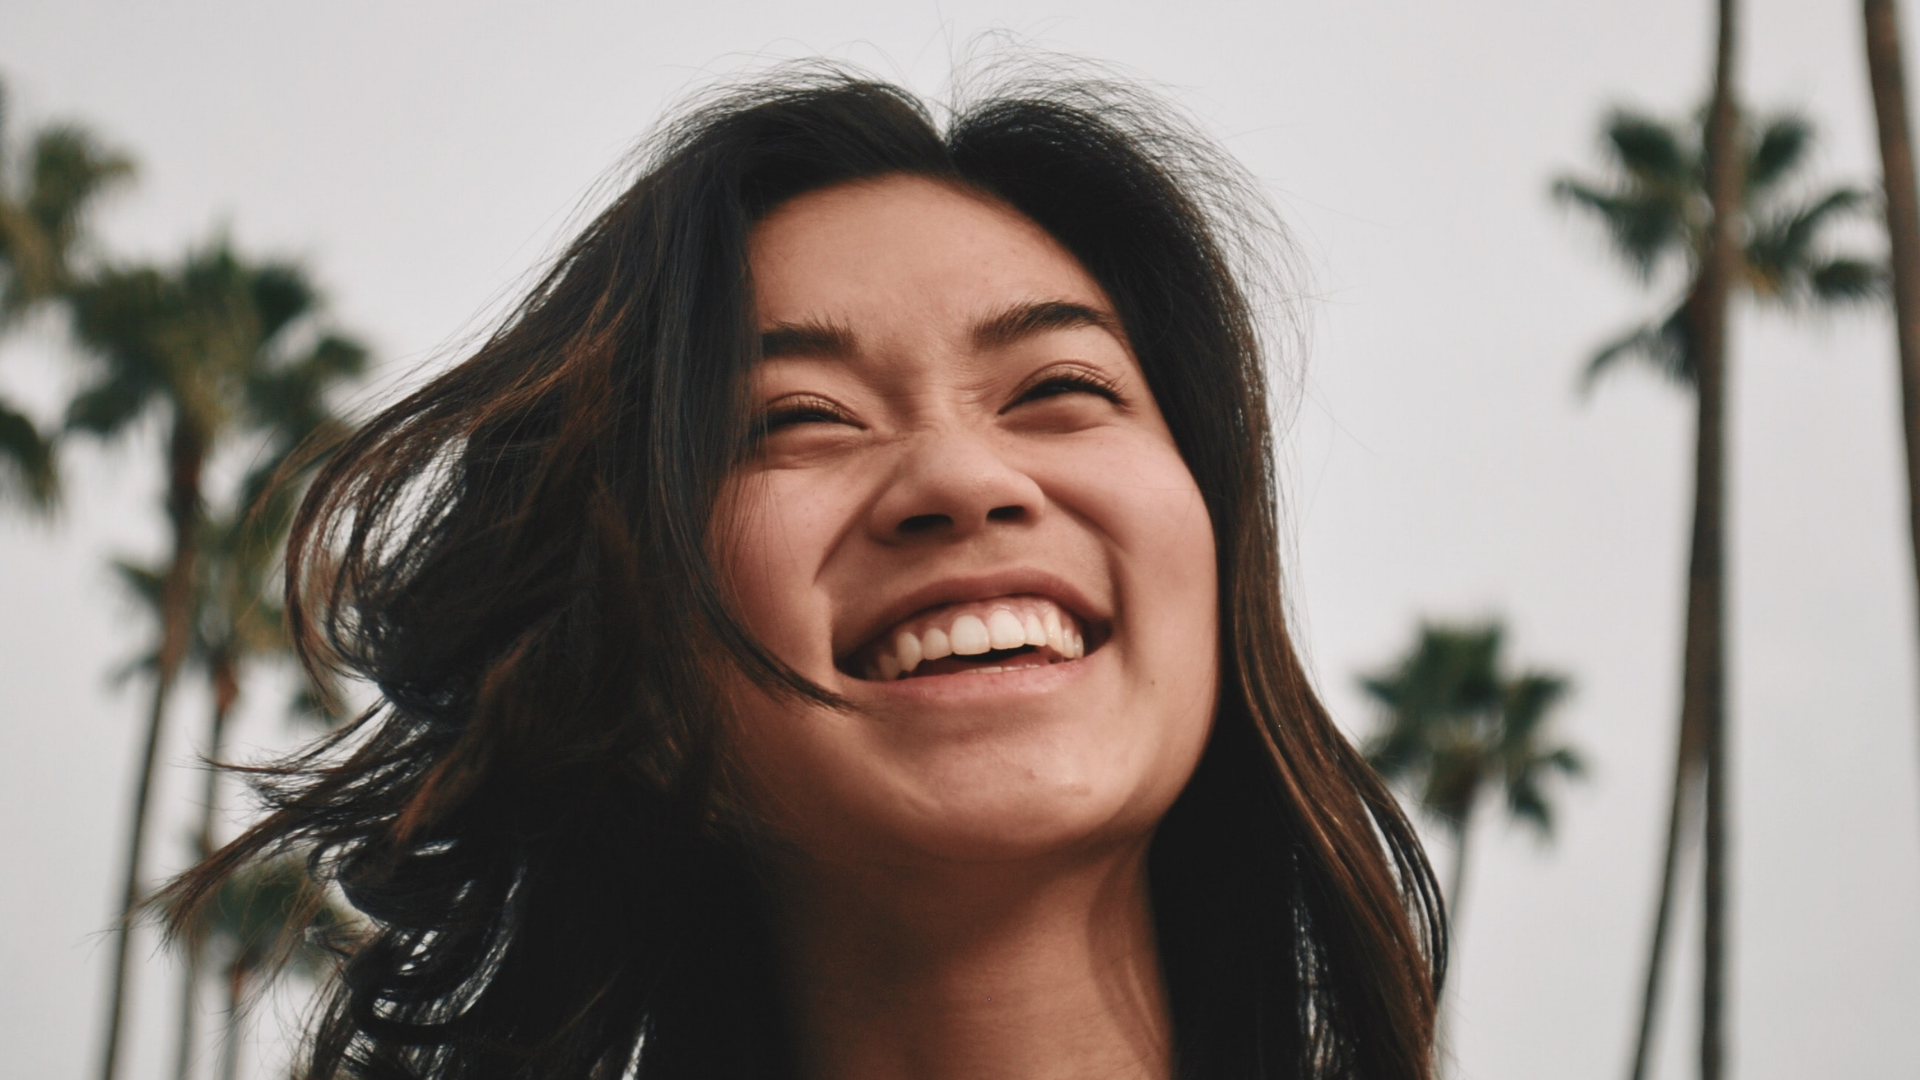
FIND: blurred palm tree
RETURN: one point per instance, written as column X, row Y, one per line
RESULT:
column 47, row 188
column 1657, row 217
column 239, row 625
column 270, row 917
column 1658, row 210
column 1455, row 727
column 219, row 348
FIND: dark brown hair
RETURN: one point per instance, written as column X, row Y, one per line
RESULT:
column 533, row 819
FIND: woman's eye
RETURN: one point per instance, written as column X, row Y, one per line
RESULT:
column 789, row 417
column 1061, row 385
column 794, row 413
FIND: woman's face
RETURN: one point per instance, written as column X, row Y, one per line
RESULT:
column 966, row 517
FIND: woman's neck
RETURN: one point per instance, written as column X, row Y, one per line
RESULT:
column 977, row 973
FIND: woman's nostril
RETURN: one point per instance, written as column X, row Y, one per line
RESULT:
column 919, row 524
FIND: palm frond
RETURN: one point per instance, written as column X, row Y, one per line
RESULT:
column 1783, row 250
column 1663, row 346
column 1381, row 688
column 137, row 667
column 106, row 408
column 68, row 169
column 1644, row 228
column 1566, row 761
column 44, row 205
column 1527, row 803
column 1396, row 753
column 1648, row 149
column 121, row 318
column 1529, row 698
column 28, row 270
column 1840, row 281
column 281, row 295
column 1778, row 148
column 143, row 583
column 27, row 469
column 291, row 398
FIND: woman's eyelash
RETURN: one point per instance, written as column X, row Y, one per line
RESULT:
column 800, row 411
column 1071, row 382
column 814, row 410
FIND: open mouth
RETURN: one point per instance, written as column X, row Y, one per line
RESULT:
column 1009, row 633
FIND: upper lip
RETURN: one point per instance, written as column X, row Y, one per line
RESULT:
column 961, row 590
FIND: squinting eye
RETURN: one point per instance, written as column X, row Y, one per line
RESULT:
column 789, row 417
column 1077, row 383
column 794, row 412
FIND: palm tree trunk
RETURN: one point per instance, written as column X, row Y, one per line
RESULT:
column 1705, row 672
column 1454, row 897
column 186, row 455
column 1886, row 72
column 130, row 895
column 188, row 1032
column 236, row 1021
column 1686, row 777
column 1457, row 875
column 226, row 692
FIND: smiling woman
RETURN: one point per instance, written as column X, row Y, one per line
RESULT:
column 834, row 631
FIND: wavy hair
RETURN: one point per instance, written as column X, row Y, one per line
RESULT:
column 535, row 817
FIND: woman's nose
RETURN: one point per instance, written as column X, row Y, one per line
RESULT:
column 949, row 485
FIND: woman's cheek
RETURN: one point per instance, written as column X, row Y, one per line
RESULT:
column 1166, row 555
column 1140, row 493
column 773, row 547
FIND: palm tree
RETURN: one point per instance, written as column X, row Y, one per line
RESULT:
column 1657, row 216
column 238, row 626
column 47, row 189
column 1889, row 81
column 1721, row 206
column 240, row 622
column 1455, row 725
column 216, row 346
column 269, row 917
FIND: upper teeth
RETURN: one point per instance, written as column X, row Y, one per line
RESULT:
column 1039, row 623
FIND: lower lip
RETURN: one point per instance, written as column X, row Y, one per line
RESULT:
column 971, row 686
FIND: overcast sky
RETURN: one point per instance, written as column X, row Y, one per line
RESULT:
column 420, row 157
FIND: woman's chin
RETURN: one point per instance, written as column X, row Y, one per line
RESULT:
column 973, row 842
column 1001, row 807
column 1028, row 765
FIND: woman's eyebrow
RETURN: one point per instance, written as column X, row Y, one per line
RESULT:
column 806, row 339
column 1025, row 320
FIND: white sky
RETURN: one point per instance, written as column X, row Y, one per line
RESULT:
column 421, row 156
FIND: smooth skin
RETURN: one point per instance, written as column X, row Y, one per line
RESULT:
column 951, row 414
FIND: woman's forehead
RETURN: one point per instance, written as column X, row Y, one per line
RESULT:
column 899, row 251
